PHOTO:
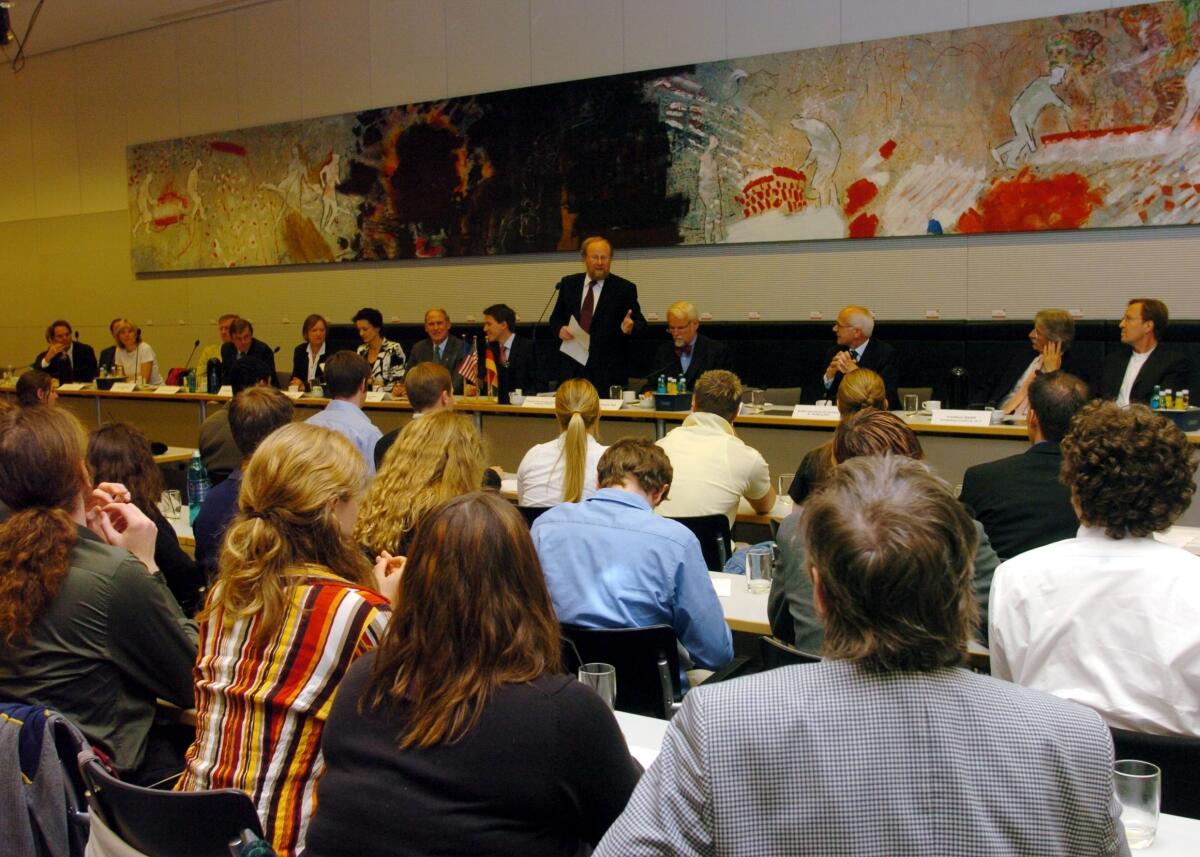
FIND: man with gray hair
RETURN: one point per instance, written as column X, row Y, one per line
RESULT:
column 862, row 753
column 856, row 349
column 689, row 353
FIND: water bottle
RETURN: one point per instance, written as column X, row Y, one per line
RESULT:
column 1156, row 398
column 197, row 486
column 662, row 385
column 191, row 380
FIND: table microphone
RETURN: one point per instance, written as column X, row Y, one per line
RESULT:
column 188, row 362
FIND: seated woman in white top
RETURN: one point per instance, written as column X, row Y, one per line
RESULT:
column 133, row 358
column 564, row 469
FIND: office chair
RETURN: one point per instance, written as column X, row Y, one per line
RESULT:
column 713, row 533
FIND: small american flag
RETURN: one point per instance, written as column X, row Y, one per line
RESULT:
column 468, row 368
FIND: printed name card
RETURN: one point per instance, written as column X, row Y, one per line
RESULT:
column 226, row 392
column 165, row 390
column 123, row 387
column 72, row 386
column 610, row 404
column 952, row 417
column 538, row 402
column 293, row 393
column 816, row 412
column 376, row 395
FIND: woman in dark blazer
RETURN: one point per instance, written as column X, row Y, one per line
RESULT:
column 308, row 360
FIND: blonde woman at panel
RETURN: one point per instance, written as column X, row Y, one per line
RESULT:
column 564, row 470
column 134, row 358
column 435, row 458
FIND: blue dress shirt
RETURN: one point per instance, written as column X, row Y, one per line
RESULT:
column 348, row 419
column 610, row 562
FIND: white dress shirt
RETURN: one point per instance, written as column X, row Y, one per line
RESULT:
column 1135, row 364
column 540, row 474
column 1109, row 623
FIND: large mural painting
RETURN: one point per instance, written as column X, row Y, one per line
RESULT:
column 1071, row 122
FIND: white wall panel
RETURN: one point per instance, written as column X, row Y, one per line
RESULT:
column 487, row 45
column 150, row 62
column 16, row 149
column 575, row 39
column 756, row 27
column 673, row 32
column 51, row 81
column 100, row 122
column 408, row 51
column 335, row 56
column 268, row 63
column 863, row 20
column 208, row 74
column 982, row 12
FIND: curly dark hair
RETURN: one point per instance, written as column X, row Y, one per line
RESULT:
column 1130, row 470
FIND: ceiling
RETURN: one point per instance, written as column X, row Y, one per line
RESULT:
column 63, row 23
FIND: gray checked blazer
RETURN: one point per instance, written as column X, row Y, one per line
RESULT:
column 833, row 759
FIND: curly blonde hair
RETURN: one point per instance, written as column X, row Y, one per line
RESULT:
column 287, row 518
column 436, row 457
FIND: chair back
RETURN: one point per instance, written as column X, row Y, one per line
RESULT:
column 532, row 513
column 1179, row 759
column 782, row 397
column 167, row 823
column 713, row 533
column 646, row 660
column 776, row 653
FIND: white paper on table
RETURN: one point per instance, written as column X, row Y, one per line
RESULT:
column 226, row 391
column 72, row 386
column 579, row 347
column 293, row 393
column 724, row 586
column 376, row 395
column 164, row 390
column 123, row 387
column 644, row 755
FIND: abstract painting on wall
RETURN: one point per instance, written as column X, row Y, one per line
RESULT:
column 1071, row 122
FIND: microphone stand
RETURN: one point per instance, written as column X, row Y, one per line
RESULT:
column 533, row 336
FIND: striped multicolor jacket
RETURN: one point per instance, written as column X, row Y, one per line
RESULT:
column 261, row 708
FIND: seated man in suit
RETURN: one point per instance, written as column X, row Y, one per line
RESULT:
column 1051, row 337
column 517, row 364
column 440, row 347
column 610, row 562
column 429, row 389
column 241, row 345
column 218, row 450
column 1108, row 619
column 855, row 348
column 1131, row 374
column 862, row 753
column 1020, row 500
column 689, row 353
column 714, row 469
column 64, row 358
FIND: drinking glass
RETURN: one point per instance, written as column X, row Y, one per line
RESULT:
column 784, row 481
column 172, row 504
column 910, row 403
column 758, row 400
column 601, row 678
column 614, row 392
column 1139, row 787
column 760, row 564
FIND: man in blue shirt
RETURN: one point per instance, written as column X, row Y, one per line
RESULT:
column 346, row 376
column 610, row 562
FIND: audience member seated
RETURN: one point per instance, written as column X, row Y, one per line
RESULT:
column 218, row 451
column 713, row 468
column 134, row 359
column 1108, row 618
column 461, row 727
column 36, row 387
column 213, row 351
column 429, row 389
column 861, row 388
column 1131, row 374
column 346, row 385
column 294, row 604
column 243, row 346
column 119, row 452
column 308, row 360
column 1051, row 337
column 563, row 470
column 253, row 414
column 87, row 625
column 64, row 358
column 386, row 358
column 1020, row 500
column 886, row 746
column 791, row 607
column 435, row 458
column 610, row 562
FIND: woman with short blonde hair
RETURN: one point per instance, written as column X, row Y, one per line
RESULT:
column 564, row 470
column 436, row 457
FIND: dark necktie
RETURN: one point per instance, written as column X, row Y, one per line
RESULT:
column 683, row 351
column 504, row 354
column 589, row 305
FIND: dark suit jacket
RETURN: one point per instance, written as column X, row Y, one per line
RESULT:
column 300, row 362
column 1163, row 368
column 452, row 355
column 608, row 361
column 706, row 354
column 879, row 357
column 1020, row 501
column 81, row 367
column 258, row 350
column 521, row 372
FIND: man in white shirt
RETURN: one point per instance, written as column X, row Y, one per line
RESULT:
column 346, row 375
column 714, row 469
column 1131, row 374
column 1108, row 618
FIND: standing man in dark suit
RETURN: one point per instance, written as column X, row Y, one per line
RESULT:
column 606, row 306
column 65, row 359
column 1130, row 375
column 689, row 353
column 517, row 366
column 440, row 347
column 856, row 349
column 1020, row 500
column 242, row 344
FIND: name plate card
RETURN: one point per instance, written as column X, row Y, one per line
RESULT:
column 376, row 395
column 226, row 391
column 123, row 387
column 610, row 404
column 293, row 394
column 72, row 386
column 538, row 402
column 952, row 417
column 165, row 390
column 816, row 412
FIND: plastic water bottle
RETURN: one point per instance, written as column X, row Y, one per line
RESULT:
column 197, row 486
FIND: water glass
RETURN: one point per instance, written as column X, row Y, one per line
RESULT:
column 171, row 505
column 758, row 400
column 1139, row 788
column 601, row 678
column 910, row 403
column 784, row 482
column 760, row 568
column 615, row 391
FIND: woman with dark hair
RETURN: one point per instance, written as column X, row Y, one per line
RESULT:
column 87, row 626
column 386, row 357
column 119, row 452
column 36, row 387
column 460, row 727
column 309, row 356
